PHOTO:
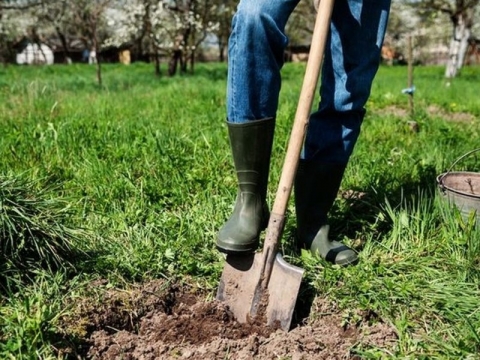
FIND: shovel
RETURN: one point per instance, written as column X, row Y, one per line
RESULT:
column 263, row 287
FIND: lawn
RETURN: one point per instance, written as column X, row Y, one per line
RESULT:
column 109, row 195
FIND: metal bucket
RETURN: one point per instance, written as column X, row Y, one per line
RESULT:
column 462, row 188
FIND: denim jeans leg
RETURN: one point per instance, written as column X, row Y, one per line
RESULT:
column 352, row 58
column 255, row 57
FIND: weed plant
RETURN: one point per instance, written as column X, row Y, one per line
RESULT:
column 143, row 167
column 33, row 227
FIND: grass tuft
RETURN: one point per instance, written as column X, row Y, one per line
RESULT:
column 33, row 227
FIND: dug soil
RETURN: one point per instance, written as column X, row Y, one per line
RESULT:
column 160, row 320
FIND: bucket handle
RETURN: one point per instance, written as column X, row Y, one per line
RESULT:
column 455, row 163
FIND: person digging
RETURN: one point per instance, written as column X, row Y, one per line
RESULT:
column 255, row 58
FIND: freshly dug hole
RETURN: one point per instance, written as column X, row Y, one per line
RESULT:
column 157, row 320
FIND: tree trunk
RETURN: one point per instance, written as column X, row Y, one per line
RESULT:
column 463, row 48
column 63, row 40
column 97, row 55
column 192, row 62
column 35, row 38
column 193, row 50
column 157, row 64
column 221, row 51
column 458, row 44
column 3, row 46
column 185, row 40
column 175, row 59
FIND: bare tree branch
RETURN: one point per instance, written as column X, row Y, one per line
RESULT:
column 18, row 5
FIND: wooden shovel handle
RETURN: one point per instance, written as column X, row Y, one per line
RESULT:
column 310, row 82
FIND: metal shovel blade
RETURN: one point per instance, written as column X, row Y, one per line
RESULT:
column 240, row 282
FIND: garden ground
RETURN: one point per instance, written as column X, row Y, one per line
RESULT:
column 158, row 320
column 111, row 198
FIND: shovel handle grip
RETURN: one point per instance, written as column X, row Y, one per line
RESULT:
column 310, row 81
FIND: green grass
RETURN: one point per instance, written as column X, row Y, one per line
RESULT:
column 143, row 167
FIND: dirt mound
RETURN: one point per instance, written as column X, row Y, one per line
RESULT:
column 162, row 321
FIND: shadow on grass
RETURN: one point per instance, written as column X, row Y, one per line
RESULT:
column 362, row 206
column 16, row 275
column 357, row 216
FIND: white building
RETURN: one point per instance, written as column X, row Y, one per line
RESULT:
column 34, row 54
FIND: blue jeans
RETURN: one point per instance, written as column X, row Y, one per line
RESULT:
column 352, row 56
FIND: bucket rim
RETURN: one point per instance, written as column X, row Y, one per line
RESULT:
column 444, row 187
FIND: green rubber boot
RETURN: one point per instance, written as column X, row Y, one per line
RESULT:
column 316, row 187
column 251, row 145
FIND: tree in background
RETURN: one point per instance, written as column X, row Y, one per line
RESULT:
column 222, row 13
column 8, row 32
column 194, row 20
column 177, row 29
column 402, row 22
column 174, row 28
column 11, row 24
column 89, row 17
column 142, row 24
column 301, row 23
column 56, row 14
column 42, row 19
column 461, row 15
